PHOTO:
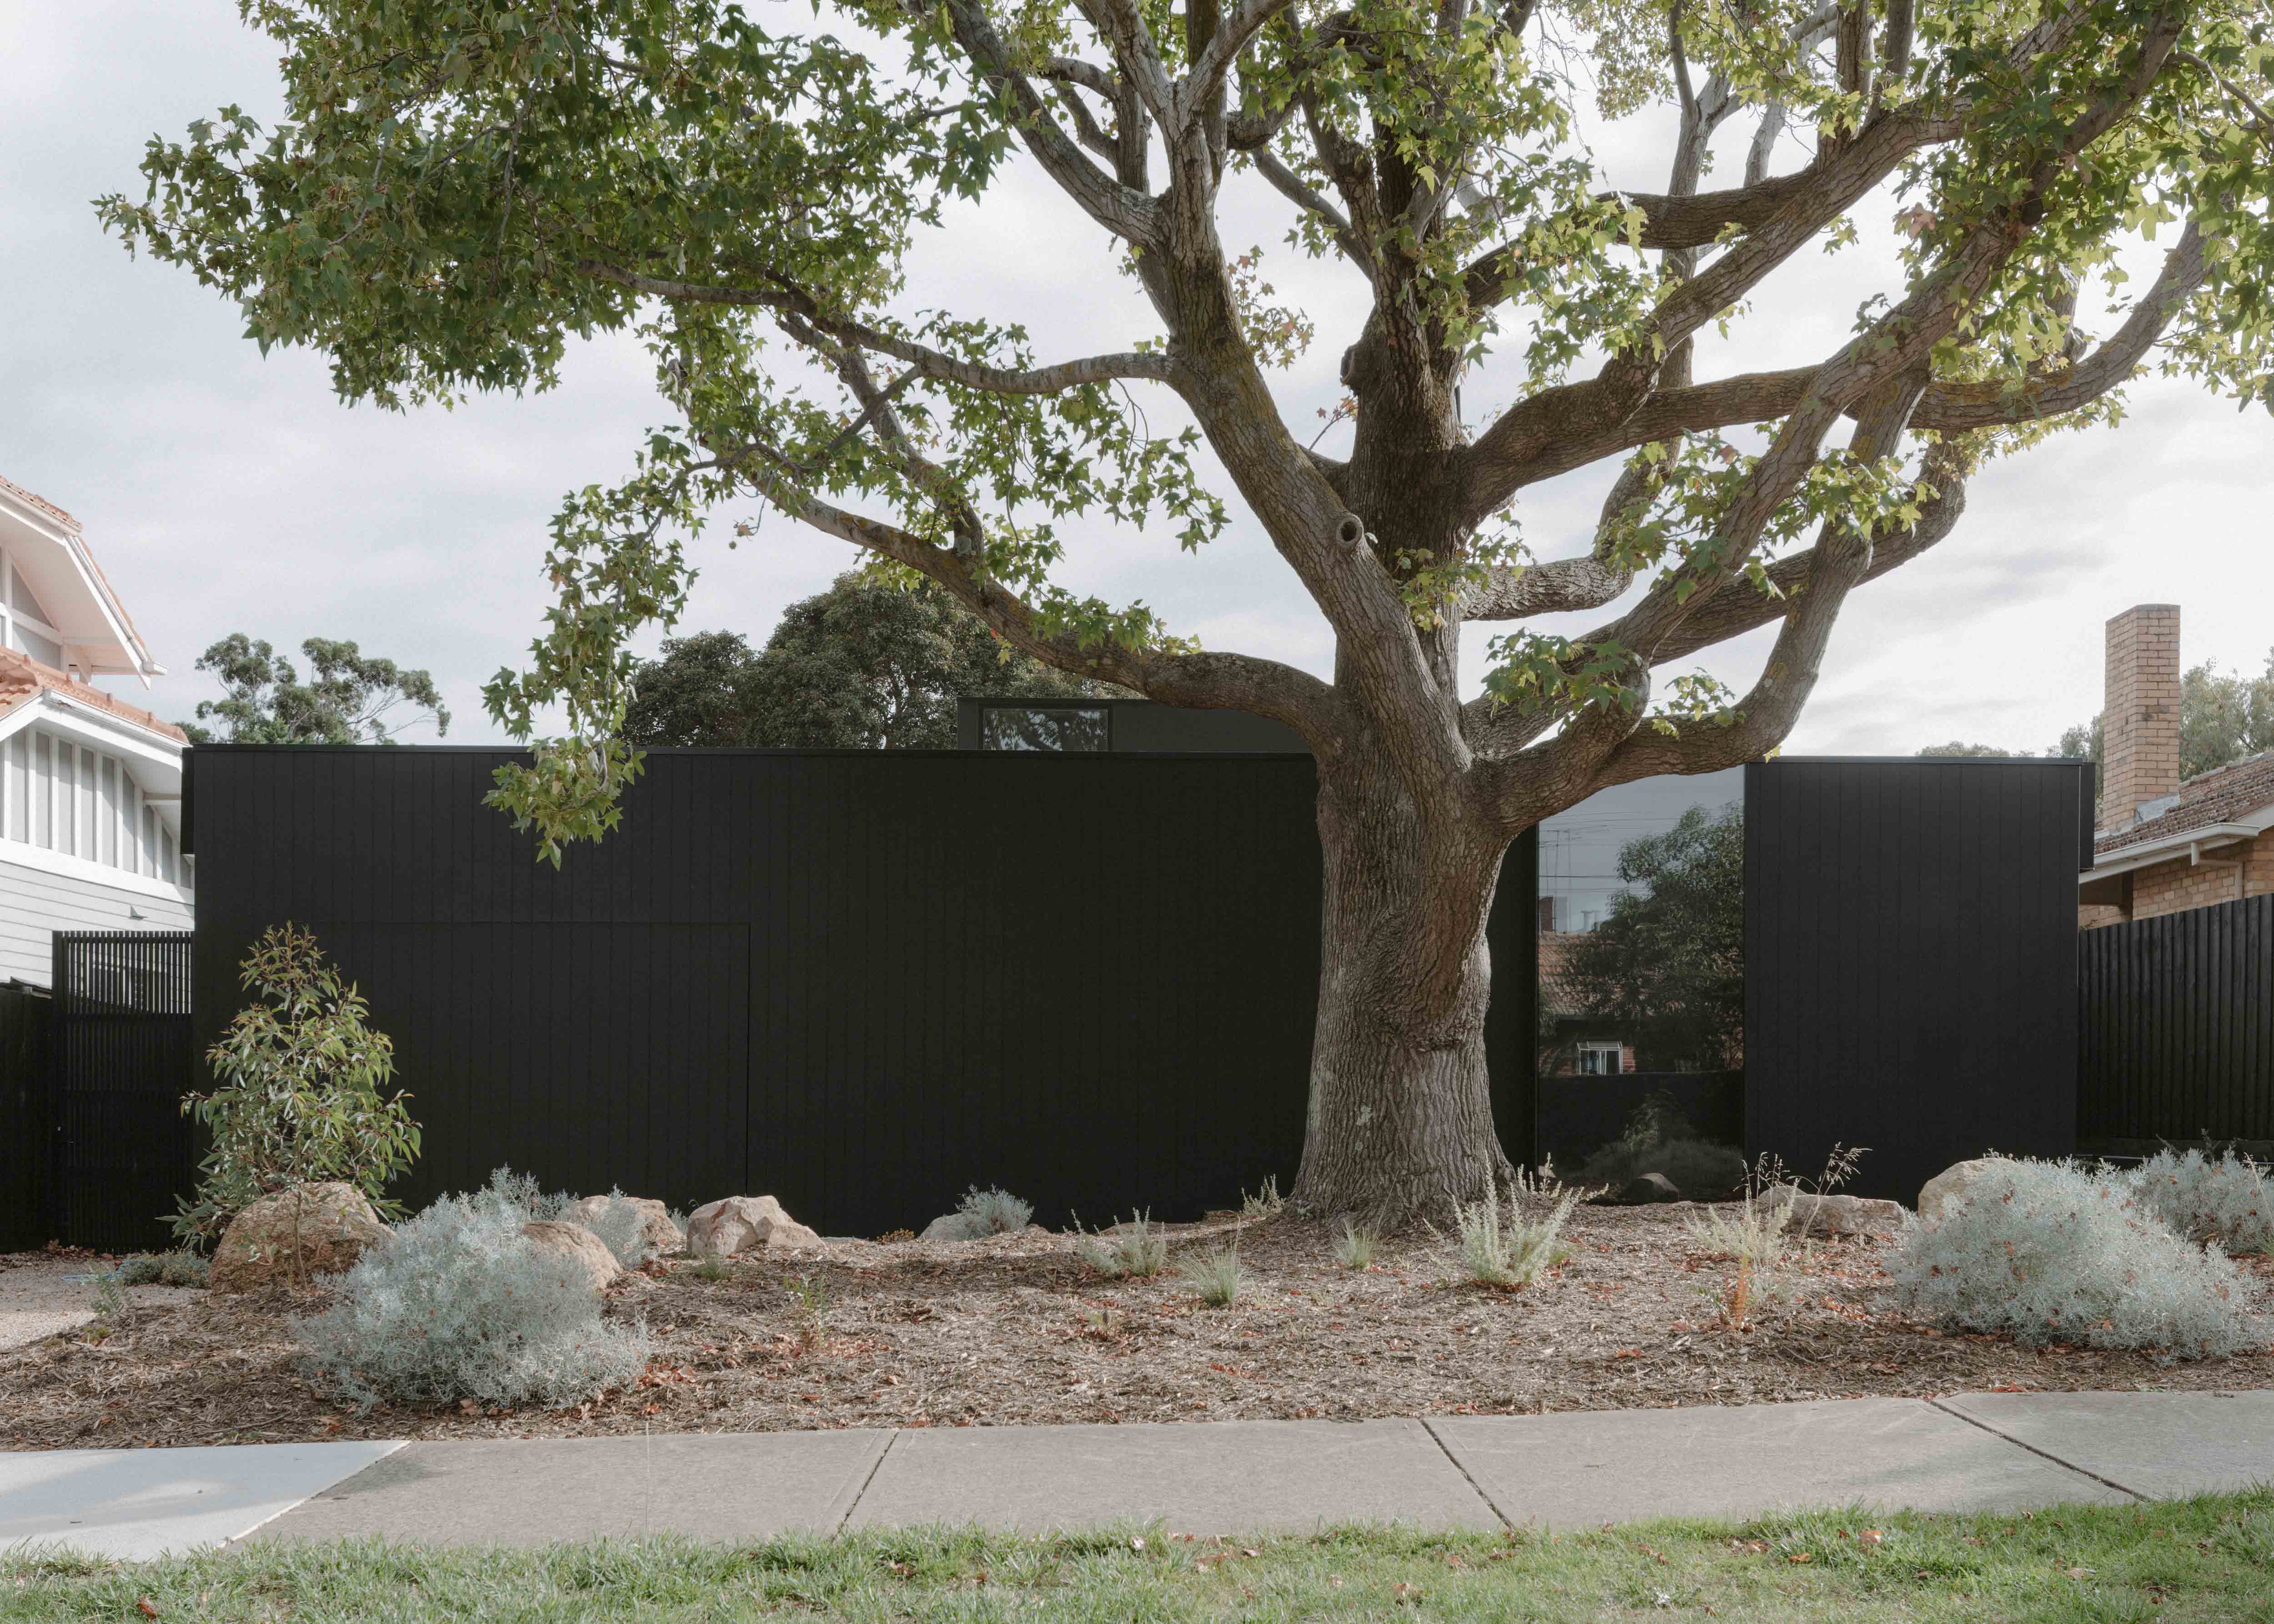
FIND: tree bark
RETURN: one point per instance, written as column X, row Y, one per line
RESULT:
column 1400, row 1122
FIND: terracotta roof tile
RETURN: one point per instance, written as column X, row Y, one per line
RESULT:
column 38, row 501
column 2218, row 796
column 23, row 678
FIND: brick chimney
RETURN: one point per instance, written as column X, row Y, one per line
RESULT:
column 2140, row 718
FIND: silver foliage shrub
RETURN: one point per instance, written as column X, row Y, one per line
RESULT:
column 2054, row 1254
column 622, row 1230
column 518, row 1193
column 459, row 1305
column 2229, row 1200
column 984, row 1212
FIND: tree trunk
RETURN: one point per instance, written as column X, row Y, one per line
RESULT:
column 1400, row 1122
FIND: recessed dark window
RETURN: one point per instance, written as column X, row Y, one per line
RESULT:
column 1026, row 727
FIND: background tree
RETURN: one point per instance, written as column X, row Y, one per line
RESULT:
column 867, row 664
column 345, row 700
column 1960, row 749
column 456, row 190
column 1669, row 958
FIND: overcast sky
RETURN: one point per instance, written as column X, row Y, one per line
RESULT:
column 225, row 492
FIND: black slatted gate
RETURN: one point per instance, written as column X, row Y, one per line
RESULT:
column 123, row 1058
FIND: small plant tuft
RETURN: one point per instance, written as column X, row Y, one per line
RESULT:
column 1509, row 1251
column 712, row 1267
column 2049, row 1251
column 109, row 1296
column 1135, row 1250
column 460, row 1305
column 1215, row 1274
column 1355, row 1248
column 1752, row 1236
column 812, row 1296
column 163, row 1268
column 1265, row 1203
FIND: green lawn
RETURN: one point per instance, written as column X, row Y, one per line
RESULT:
column 2210, row 1558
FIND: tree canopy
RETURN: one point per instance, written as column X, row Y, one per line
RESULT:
column 346, row 699
column 459, row 191
column 867, row 664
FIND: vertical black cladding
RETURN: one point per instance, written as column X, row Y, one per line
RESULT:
column 858, row 980
column 27, row 1119
column 122, row 1057
column 1911, row 956
column 2177, row 1013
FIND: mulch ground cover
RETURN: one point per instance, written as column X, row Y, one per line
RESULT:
column 1017, row 1329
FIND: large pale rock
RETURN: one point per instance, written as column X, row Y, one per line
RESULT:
column 745, row 1223
column 579, row 1252
column 1954, row 1182
column 1832, row 1214
column 325, row 1227
column 662, row 1234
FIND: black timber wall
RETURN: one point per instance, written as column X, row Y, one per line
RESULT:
column 2176, row 1014
column 27, row 1119
column 1912, row 954
column 858, row 980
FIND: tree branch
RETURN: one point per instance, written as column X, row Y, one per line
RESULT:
column 1293, row 187
column 790, row 300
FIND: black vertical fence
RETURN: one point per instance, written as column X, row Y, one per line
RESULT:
column 2176, row 1019
column 27, row 1122
column 122, row 1057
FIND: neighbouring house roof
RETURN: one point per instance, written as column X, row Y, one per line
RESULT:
column 2215, row 808
column 24, row 681
column 52, row 551
column 1560, row 996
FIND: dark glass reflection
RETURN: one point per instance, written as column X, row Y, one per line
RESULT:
column 1023, row 727
column 1640, row 1046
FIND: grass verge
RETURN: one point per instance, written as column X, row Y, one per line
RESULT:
column 2209, row 1558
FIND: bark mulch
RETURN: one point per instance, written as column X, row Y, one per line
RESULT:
column 1018, row 1330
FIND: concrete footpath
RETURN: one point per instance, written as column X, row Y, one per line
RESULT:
column 1984, row 1452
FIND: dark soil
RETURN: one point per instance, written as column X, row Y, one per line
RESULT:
column 1017, row 1329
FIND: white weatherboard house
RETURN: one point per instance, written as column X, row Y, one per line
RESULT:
column 90, row 786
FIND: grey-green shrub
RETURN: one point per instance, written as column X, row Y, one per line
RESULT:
column 622, row 1230
column 2050, row 1252
column 2229, row 1200
column 162, row 1268
column 518, row 1193
column 460, row 1305
column 984, row 1212
column 1134, row 1250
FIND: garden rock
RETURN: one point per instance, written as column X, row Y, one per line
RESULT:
column 1832, row 1214
column 1649, row 1188
column 332, row 1224
column 1955, row 1183
column 664, row 1235
column 578, row 1249
column 745, row 1223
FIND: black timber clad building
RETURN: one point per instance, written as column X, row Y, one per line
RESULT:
column 862, row 980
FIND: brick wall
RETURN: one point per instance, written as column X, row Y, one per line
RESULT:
column 2140, row 711
column 2175, row 886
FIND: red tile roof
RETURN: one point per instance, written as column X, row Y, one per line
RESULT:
column 23, row 678
column 2220, row 796
column 38, row 501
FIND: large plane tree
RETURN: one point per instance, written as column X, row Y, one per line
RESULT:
column 461, row 188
